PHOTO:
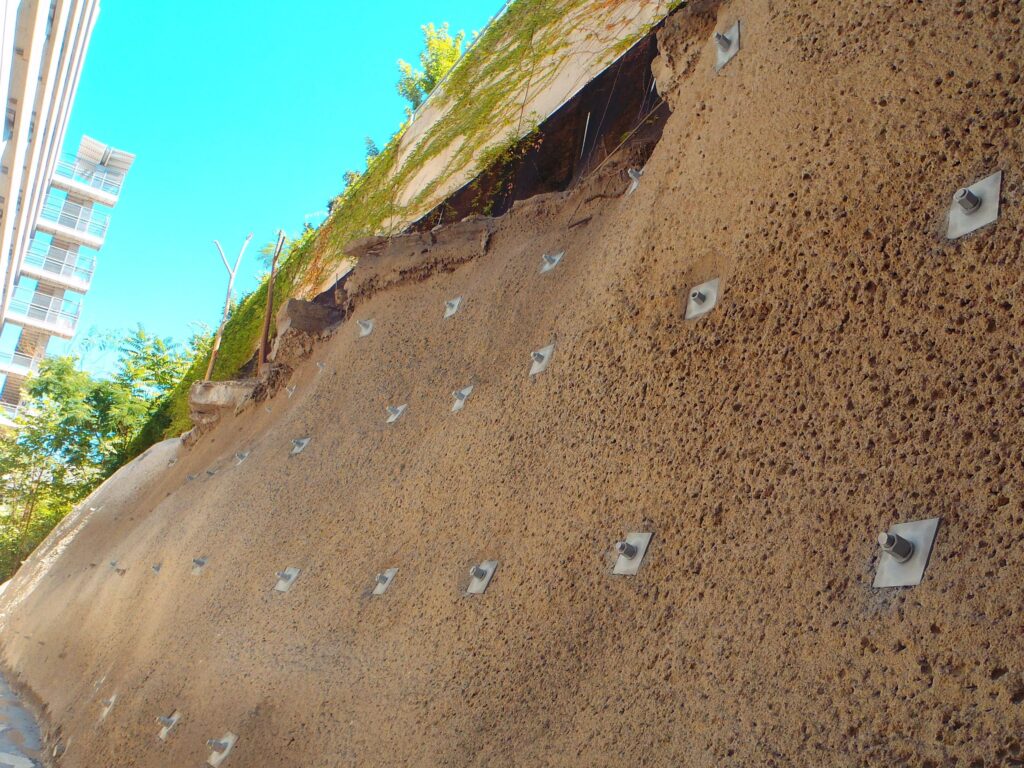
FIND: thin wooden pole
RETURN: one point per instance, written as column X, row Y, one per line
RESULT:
column 227, row 301
column 265, row 338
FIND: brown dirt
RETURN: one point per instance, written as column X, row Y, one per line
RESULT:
column 859, row 370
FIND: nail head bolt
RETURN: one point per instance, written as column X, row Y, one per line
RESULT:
column 477, row 572
column 626, row 549
column 898, row 548
column 382, row 578
column 165, row 721
column 108, row 702
column 723, row 41
column 967, row 200
column 538, row 357
column 699, row 296
column 217, row 745
column 200, row 561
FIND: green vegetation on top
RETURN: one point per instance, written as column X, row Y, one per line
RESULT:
column 518, row 52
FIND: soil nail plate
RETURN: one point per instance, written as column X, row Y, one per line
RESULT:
column 383, row 581
column 286, row 578
column 461, row 395
column 550, row 261
column 975, row 206
column 168, row 724
column 299, row 445
column 452, row 306
column 221, row 749
column 727, row 45
column 395, row 412
column 905, row 550
column 701, row 299
column 541, row 358
column 365, row 327
column 480, row 577
column 631, row 551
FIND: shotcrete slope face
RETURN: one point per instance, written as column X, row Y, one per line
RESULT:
column 859, row 370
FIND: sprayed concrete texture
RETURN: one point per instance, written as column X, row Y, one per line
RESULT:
column 858, row 370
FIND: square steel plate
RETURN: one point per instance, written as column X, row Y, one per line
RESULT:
column 890, row 573
column 628, row 566
column 479, row 586
column 539, row 366
column 108, row 705
column 452, row 306
column 550, row 260
column 166, row 730
column 961, row 222
column 695, row 309
column 461, row 395
column 365, row 327
column 216, row 758
column 285, row 583
column 725, row 55
column 380, row 588
column 299, row 445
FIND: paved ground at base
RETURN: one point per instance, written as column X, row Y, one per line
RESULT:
column 19, row 734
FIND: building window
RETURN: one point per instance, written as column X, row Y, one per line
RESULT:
column 9, row 121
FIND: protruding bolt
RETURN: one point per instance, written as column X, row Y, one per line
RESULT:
column 477, row 572
column 538, row 357
column 284, row 576
column 626, row 549
column 899, row 549
column 108, row 702
column 199, row 561
column 724, row 41
column 699, row 297
column 165, row 721
column 967, row 200
column 156, row 567
column 382, row 578
column 217, row 745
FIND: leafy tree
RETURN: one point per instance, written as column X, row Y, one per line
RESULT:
column 372, row 150
column 440, row 52
column 74, row 430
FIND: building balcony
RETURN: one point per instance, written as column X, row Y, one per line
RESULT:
column 8, row 413
column 18, row 364
column 88, row 180
column 49, row 263
column 52, row 315
column 73, row 222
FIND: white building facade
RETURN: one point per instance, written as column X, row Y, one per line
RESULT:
column 53, row 207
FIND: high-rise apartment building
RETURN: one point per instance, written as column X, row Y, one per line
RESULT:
column 53, row 207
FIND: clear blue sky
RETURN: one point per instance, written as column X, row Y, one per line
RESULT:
column 243, row 119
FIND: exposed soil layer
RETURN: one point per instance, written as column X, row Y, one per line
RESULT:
column 859, row 370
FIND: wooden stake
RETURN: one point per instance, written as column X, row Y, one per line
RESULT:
column 265, row 338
